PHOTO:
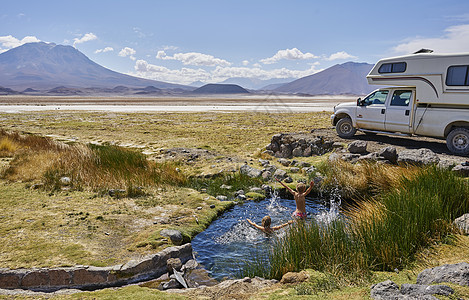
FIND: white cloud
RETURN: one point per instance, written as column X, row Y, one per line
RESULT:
column 455, row 39
column 128, row 52
column 7, row 42
column 245, row 62
column 340, row 55
column 220, row 73
column 290, row 54
column 85, row 38
column 194, row 59
column 107, row 49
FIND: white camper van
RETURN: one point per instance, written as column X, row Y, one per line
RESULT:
column 429, row 97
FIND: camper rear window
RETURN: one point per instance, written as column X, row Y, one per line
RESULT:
column 399, row 67
column 457, row 75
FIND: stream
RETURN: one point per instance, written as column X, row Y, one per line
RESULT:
column 230, row 241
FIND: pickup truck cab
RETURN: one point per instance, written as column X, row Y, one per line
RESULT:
column 431, row 99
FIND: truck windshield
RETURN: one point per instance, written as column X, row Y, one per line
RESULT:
column 378, row 97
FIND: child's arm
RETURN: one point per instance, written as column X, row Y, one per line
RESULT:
column 311, row 184
column 283, row 225
column 255, row 225
column 289, row 189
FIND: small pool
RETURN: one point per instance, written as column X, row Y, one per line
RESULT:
column 230, row 240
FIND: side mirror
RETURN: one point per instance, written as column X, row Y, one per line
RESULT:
column 359, row 102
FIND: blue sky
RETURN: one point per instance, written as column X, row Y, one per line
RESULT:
column 186, row 41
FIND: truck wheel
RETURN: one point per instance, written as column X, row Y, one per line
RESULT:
column 457, row 141
column 345, row 128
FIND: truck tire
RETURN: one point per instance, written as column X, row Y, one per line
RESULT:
column 457, row 141
column 344, row 128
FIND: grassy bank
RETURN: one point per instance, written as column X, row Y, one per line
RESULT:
column 382, row 234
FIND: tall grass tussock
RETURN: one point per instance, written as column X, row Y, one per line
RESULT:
column 92, row 167
column 383, row 233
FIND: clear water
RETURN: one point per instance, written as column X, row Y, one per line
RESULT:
column 230, row 240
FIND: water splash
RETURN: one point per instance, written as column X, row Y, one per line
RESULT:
column 327, row 216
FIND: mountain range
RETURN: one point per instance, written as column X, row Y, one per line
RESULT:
column 46, row 65
column 47, row 68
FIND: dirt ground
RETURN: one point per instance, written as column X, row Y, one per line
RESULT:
column 379, row 141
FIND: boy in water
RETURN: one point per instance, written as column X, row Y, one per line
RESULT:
column 266, row 221
column 299, row 196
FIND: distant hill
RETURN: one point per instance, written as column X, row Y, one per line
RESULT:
column 342, row 79
column 42, row 66
column 255, row 83
column 213, row 88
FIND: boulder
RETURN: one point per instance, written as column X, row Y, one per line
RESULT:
column 250, row 171
column 298, row 152
column 307, row 151
column 294, row 277
column 294, row 169
column 418, row 290
column 288, row 180
column 462, row 223
column 221, row 198
column 461, row 170
column 456, row 273
column 266, row 175
column 384, row 290
column 389, row 153
column 357, row 147
column 174, row 235
column 280, row 174
column 273, row 146
column 421, row 156
column 173, row 263
column 284, row 162
column 285, row 151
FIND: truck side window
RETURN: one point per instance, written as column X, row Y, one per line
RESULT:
column 457, row 75
column 401, row 98
column 398, row 67
column 378, row 97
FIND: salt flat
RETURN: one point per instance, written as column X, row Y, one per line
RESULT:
column 266, row 103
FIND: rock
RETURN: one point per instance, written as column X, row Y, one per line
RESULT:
column 294, row 277
column 256, row 190
column 295, row 170
column 389, row 153
column 298, row 152
column 117, row 193
column 337, row 145
column 446, row 164
column 461, row 170
column 303, row 164
column 310, row 170
column 288, row 180
column 266, row 188
column 172, row 284
column 333, row 157
column 284, row 162
column 285, row 151
column 351, row 157
column 241, row 197
column 174, row 235
column 173, row 263
column 239, row 192
column 266, row 175
column 221, row 198
column 273, row 146
column 463, row 223
column 384, row 290
column 263, row 162
column 307, row 151
column 226, row 187
column 374, row 156
column 179, row 277
column 269, row 152
column 212, row 206
column 417, row 290
column 190, row 265
column 357, row 147
column 421, row 156
column 250, row 171
column 456, row 273
column 270, row 168
column 280, row 174
column 65, row 180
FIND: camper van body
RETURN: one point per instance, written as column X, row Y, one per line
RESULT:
column 429, row 97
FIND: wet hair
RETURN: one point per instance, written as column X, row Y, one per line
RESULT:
column 266, row 221
column 301, row 187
